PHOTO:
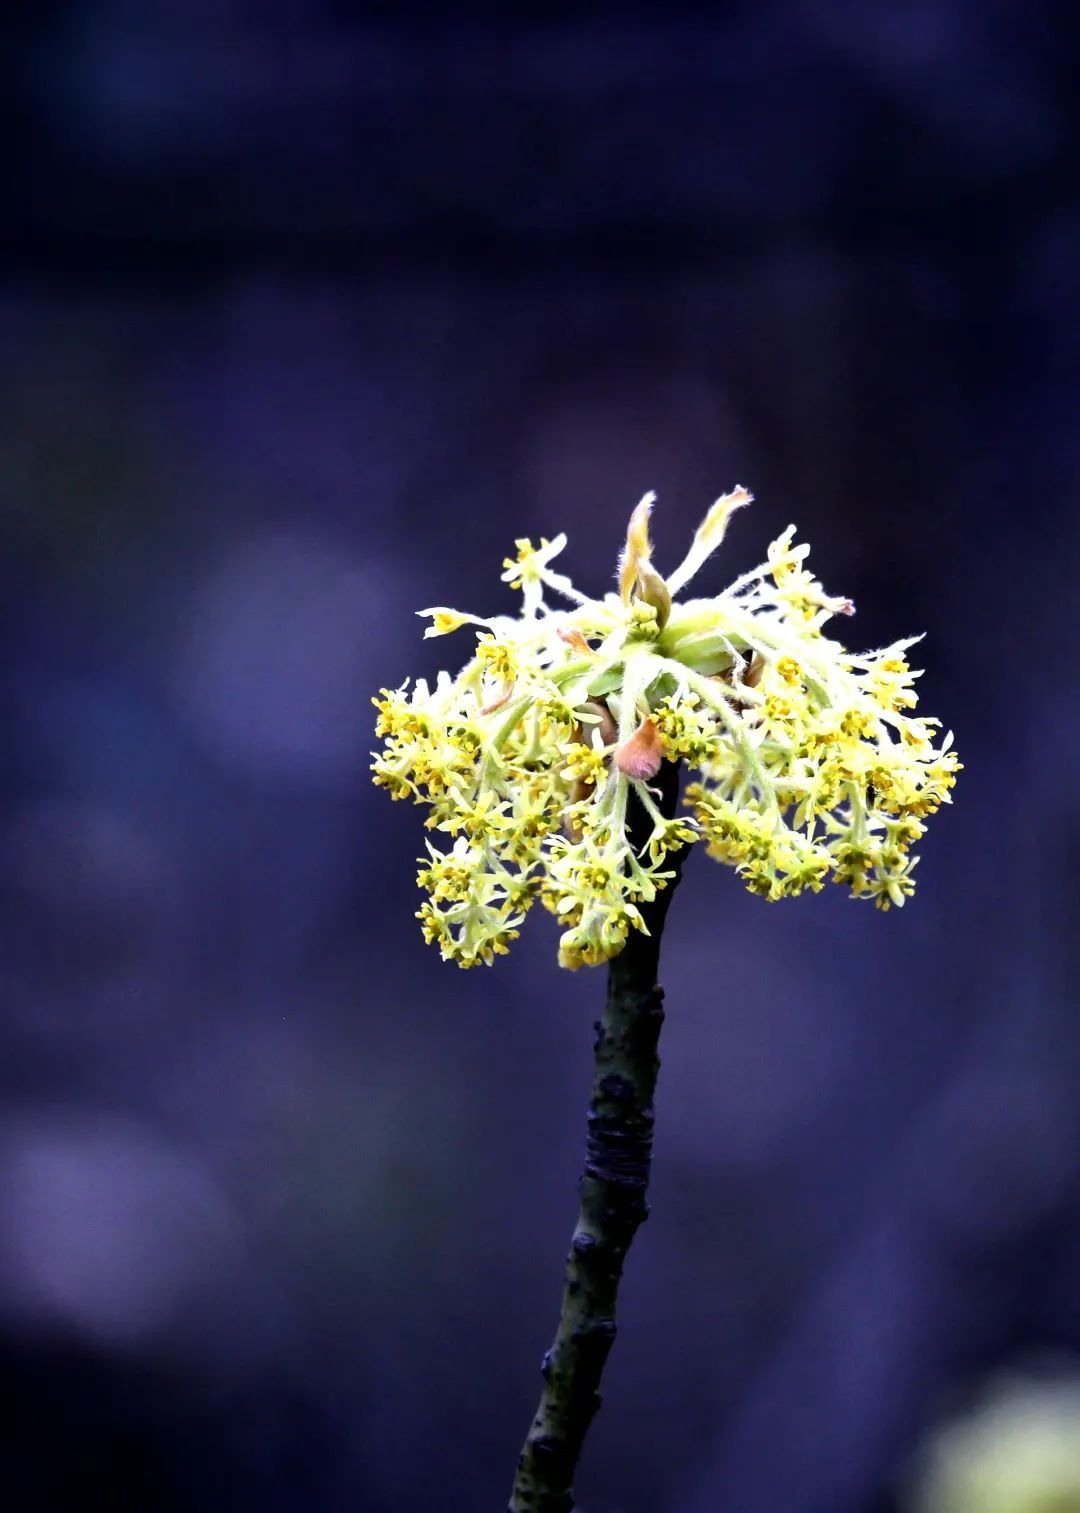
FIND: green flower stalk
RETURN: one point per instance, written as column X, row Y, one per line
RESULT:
column 551, row 765
column 807, row 763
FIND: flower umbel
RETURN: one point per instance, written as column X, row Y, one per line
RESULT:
column 808, row 763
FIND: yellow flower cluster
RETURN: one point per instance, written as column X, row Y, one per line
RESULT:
column 807, row 763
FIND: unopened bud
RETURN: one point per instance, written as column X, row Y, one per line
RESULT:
column 640, row 755
column 652, row 589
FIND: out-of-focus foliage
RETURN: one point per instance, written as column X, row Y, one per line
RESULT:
column 1019, row 1453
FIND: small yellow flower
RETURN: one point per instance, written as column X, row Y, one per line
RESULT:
column 586, row 764
column 531, row 571
column 443, row 621
column 497, row 657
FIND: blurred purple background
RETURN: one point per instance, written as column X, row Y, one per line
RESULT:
column 308, row 309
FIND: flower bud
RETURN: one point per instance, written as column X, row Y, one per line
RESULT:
column 640, row 755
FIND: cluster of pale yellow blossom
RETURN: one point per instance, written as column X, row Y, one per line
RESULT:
column 806, row 760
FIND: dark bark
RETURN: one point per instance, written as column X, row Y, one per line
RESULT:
column 613, row 1200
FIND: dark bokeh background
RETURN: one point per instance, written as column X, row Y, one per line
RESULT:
column 307, row 310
